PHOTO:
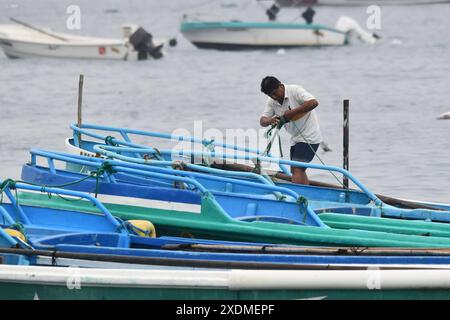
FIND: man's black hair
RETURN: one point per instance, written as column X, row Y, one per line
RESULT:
column 268, row 84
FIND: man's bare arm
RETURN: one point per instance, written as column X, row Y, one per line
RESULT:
column 301, row 110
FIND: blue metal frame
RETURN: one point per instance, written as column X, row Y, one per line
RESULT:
column 86, row 129
column 144, row 170
column 59, row 191
column 7, row 238
column 111, row 151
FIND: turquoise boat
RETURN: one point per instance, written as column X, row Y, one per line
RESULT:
column 241, row 35
column 220, row 35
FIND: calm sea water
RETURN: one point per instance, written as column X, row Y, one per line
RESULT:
column 396, row 88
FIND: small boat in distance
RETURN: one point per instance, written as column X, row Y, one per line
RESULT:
column 290, row 3
column 239, row 35
column 22, row 40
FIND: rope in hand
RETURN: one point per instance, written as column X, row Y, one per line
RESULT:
column 271, row 135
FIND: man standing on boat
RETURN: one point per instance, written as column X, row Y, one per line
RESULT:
column 293, row 107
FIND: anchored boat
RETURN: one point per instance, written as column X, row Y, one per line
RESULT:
column 238, row 35
column 289, row 3
column 178, row 204
column 233, row 161
column 49, row 236
column 23, row 40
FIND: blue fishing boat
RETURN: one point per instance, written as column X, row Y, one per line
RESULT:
column 104, row 135
column 36, row 231
column 227, row 188
column 42, row 236
column 326, row 201
column 146, row 182
column 192, row 253
column 322, row 200
column 192, row 209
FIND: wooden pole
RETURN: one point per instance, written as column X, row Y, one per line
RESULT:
column 80, row 103
column 346, row 140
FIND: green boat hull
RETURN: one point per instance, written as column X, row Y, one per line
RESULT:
column 213, row 223
column 399, row 226
column 19, row 291
column 59, row 283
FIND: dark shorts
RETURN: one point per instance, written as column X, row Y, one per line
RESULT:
column 303, row 152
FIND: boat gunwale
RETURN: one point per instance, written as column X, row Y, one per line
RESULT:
column 204, row 25
column 70, row 43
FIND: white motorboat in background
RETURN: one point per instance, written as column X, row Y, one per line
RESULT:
column 22, row 40
column 237, row 35
column 288, row 3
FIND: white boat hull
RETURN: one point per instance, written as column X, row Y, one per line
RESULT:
column 22, row 42
column 21, row 49
column 232, row 279
column 242, row 38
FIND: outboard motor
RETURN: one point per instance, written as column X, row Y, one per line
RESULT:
column 142, row 42
column 273, row 11
column 346, row 24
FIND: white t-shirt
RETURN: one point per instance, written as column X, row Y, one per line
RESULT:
column 306, row 129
